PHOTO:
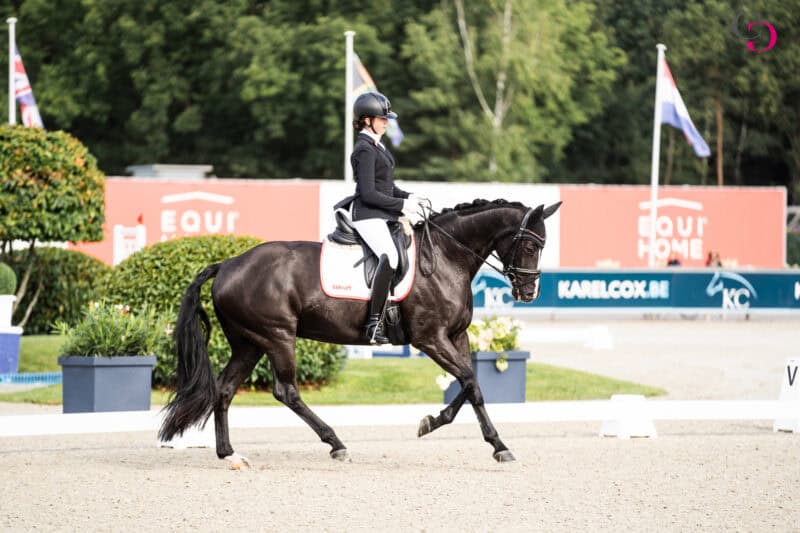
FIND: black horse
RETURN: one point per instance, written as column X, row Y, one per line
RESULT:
column 269, row 295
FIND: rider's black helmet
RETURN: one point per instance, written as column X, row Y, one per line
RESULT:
column 372, row 105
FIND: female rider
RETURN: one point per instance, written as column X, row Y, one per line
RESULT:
column 376, row 202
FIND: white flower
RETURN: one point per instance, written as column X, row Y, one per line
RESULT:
column 444, row 380
column 485, row 338
column 493, row 334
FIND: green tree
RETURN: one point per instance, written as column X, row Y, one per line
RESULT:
column 704, row 50
column 51, row 191
column 615, row 147
column 771, row 78
column 501, row 86
column 254, row 88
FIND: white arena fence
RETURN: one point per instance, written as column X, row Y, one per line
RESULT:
column 634, row 410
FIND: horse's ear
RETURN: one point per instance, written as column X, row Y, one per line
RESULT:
column 537, row 212
column 550, row 209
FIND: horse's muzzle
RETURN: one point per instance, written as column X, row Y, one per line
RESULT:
column 527, row 293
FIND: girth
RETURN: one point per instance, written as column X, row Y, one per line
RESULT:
column 346, row 233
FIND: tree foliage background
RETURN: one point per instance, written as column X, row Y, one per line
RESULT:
column 522, row 90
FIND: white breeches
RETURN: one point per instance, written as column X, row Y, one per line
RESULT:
column 375, row 233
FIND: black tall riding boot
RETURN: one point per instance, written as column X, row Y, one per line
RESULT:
column 373, row 329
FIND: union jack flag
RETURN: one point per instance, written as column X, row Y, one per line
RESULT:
column 362, row 83
column 24, row 94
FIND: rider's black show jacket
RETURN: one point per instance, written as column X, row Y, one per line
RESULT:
column 376, row 194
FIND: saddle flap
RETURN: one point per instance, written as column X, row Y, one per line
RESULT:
column 347, row 234
column 342, row 275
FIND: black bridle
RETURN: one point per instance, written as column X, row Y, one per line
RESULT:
column 509, row 269
column 523, row 234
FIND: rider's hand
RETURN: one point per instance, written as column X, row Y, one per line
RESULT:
column 419, row 200
column 410, row 207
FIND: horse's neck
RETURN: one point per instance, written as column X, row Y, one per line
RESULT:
column 480, row 231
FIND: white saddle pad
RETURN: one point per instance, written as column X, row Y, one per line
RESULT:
column 340, row 279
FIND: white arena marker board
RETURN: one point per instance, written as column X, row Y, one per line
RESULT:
column 630, row 420
column 790, row 392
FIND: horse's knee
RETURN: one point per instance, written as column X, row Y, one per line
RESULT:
column 468, row 385
column 474, row 393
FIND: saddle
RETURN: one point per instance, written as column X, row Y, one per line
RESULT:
column 345, row 233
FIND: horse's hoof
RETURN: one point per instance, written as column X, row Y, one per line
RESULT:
column 425, row 426
column 238, row 462
column 504, row 456
column 340, row 455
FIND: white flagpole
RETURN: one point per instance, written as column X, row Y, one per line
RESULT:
column 12, row 104
column 655, row 158
column 348, row 106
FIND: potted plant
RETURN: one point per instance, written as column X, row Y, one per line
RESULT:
column 9, row 335
column 107, row 359
column 498, row 363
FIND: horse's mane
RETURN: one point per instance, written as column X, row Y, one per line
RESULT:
column 476, row 206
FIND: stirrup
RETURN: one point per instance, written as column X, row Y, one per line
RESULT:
column 375, row 334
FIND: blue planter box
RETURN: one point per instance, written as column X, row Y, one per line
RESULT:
column 101, row 384
column 9, row 350
column 497, row 386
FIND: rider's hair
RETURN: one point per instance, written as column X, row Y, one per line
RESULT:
column 359, row 124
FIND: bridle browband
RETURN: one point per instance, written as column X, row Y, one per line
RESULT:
column 509, row 269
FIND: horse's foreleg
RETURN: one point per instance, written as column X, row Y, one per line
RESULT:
column 453, row 355
column 473, row 392
column 446, row 352
column 446, row 415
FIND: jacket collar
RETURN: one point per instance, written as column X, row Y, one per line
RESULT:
column 374, row 137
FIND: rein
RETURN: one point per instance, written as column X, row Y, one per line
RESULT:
column 508, row 268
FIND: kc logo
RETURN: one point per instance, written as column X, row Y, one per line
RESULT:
column 756, row 36
column 736, row 297
column 495, row 289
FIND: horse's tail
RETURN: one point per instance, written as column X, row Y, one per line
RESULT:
column 196, row 390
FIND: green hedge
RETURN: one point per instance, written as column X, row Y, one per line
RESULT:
column 8, row 280
column 793, row 249
column 157, row 277
column 71, row 280
column 50, row 187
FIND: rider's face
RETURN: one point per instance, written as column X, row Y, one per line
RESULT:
column 379, row 125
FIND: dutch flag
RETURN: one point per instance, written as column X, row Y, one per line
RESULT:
column 674, row 112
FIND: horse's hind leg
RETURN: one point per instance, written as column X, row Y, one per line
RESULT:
column 244, row 357
column 280, row 350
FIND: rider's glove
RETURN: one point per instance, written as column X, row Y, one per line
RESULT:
column 419, row 200
column 410, row 207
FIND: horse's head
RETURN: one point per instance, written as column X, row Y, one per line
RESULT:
column 521, row 252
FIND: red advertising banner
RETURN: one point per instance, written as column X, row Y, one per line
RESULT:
column 140, row 212
column 610, row 225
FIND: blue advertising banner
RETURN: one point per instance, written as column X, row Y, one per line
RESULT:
column 647, row 290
